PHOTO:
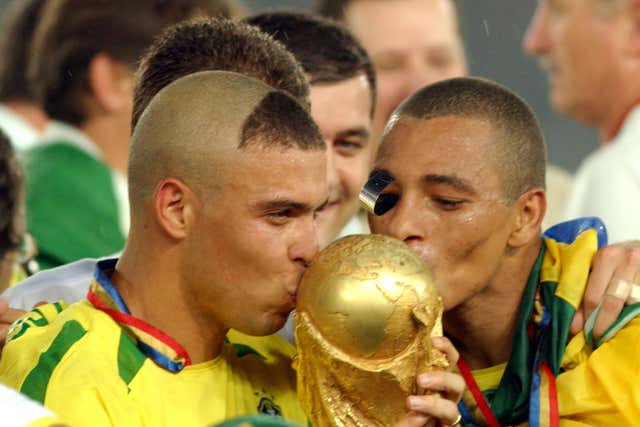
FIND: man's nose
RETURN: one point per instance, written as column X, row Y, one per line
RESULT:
column 536, row 40
column 406, row 220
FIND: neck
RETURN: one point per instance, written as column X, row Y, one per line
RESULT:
column 610, row 130
column 154, row 292
column 112, row 138
column 31, row 113
column 621, row 100
column 482, row 327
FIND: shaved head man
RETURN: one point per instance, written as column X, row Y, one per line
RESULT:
column 223, row 169
column 467, row 158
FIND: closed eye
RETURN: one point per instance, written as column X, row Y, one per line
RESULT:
column 448, row 204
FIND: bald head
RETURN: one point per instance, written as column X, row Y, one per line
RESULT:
column 197, row 122
column 518, row 148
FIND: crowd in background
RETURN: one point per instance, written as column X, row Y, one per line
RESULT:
column 79, row 78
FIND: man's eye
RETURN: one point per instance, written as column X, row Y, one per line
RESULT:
column 440, row 61
column 389, row 62
column 448, row 204
column 279, row 216
column 347, row 146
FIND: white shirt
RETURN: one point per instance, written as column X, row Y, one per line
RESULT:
column 69, row 282
column 358, row 224
column 559, row 184
column 607, row 184
column 18, row 410
column 21, row 134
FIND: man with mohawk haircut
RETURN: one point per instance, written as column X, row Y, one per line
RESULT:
column 197, row 159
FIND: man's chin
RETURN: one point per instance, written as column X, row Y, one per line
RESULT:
column 269, row 326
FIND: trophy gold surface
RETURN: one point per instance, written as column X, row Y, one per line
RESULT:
column 366, row 311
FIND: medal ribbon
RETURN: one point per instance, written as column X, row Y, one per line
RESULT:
column 527, row 389
column 155, row 344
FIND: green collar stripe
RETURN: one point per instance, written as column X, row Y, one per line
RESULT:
column 510, row 402
column 35, row 385
column 130, row 358
column 242, row 350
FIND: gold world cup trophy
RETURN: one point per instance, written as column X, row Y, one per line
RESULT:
column 367, row 308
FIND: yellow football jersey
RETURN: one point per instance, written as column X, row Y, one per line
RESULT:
column 88, row 366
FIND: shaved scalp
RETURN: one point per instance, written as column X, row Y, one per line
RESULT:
column 195, row 123
column 518, row 147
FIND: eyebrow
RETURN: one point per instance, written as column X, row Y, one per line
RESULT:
column 288, row 204
column 451, row 180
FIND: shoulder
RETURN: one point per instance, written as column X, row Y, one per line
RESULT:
column 48, row 340
column 57, row 164
column 69, row 363
column 38, row 157
column 617, row 160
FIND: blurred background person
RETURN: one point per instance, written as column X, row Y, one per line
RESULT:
column 82, row 74
column 12, row 226
column 21, row 118
column 413, row 43
column 590, row 50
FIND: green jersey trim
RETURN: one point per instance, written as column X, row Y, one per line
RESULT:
column 35, row 384
column 130, row 358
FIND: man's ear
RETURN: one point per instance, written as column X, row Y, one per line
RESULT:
column 530, row 209
column 111, row 83
column 174, row 204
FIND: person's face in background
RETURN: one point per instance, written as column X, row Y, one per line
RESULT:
column 578, row 43
column 412, row 43
column 342, row 112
